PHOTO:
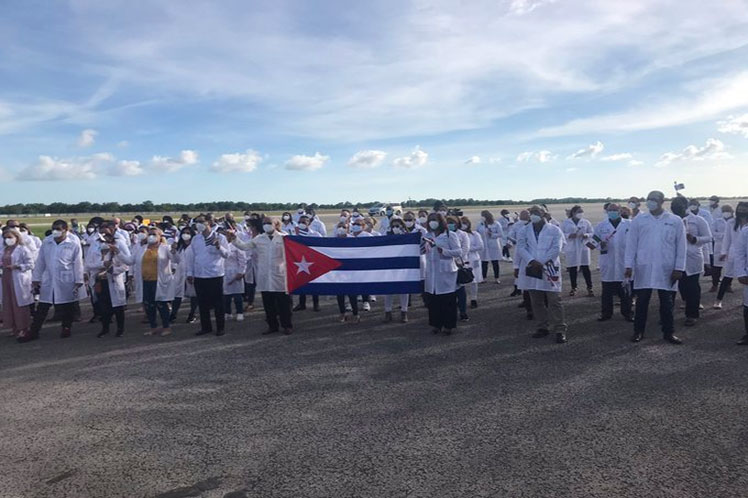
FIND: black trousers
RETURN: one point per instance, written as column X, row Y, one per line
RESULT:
column 442, row 310
column 353, row 299
column 484, row 268
column 723, row 286
column 210, row 295
column 65, row 311
column 716, row 275
column 277, row 307
column 745, row 319
column 690, row 291
column 505, row 251
column 104, row 301
column 611, row 289
column 585, row 273
column 302, row 300
column 667, row 298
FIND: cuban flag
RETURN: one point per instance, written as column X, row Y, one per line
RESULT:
column 389, row 264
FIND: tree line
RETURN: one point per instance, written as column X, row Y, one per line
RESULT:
column 233, row 206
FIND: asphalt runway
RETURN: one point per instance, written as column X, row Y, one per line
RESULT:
column 380, row 410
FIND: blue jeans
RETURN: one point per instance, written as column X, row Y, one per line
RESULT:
column 151, row 305
column 462, row 301
column 238, row 301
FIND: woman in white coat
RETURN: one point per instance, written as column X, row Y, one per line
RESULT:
column 17, row 297
column 235, row 265
column 475, row 248
column 578, row 232
column 397, row 227
column 718, row 232
column 288, row 223
column 440, row 286
column 454, row 225
column 492, row 234
column 153, row 265
column 729, row 255
column 182, row 288
column 107, row 261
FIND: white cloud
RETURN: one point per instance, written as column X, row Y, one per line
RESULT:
column 737, row 125
column 634, row 162
column 541, row 156
column 127, row 168
column 521, row 7
column 367, row 159
column 307, row 163
column 714, row 149
column 473, row 160
column 171, row 164
column 416, row 159
column 592, row 150
column 87, row 138
column 237, row 162
column 51, row 168
column 617, row 157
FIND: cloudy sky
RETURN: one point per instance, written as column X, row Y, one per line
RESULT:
column 336, row 100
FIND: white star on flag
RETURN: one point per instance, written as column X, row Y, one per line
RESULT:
column 303, row 265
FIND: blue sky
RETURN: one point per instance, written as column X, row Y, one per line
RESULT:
column 329, row 101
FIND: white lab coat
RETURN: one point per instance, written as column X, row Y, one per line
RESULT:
column 706, row 213
column 518, row 262
column 59, row 267
column 475, row 244
column 729, row 249
column 235, row 264
column 655, row 248
column 441, row 269
column 94, row 263
column 271, row 261
column 613, row 243
column 251, row 268
column 492, row 235
column 23, row 257
column 465, row 247
column 695, row 254
column 718, row 232
column 576, row 252
column 546, row 247
column 741, row 259
column 182, row 288
column 317, row 225
column 288, row 227
column 165, row 282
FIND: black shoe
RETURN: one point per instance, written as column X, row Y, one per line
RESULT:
column 637, row 337
column 298, row 307
column 464, row 318
column 94, row 319
column 603, row 318
column 204, row 332
column 316, row 308
column 672, row 339
column 220, row 332
column 435, row 330
column 287, row 331
column 743, row 341
column 473, row 304
column 269, row 331
column 102, row 334
column 560, row 338
column 447, row 331
column 191, row 319
column 173, row 319
column 119, row 333
column 690, row 322
column 628, row 318
column 540, row 334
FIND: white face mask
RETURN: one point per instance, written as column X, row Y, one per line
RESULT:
column 142, row 236
column 152, row 239
column 300, row 211
column 397, row 230
column 200, row 227
column 57, row 233
column 443, row 213
column 578, row 216
column 433, row 224
column 303, row 226
column 694, row 209
column 464, row 226
column 652, row 205
column 89, row 230
column 534, row 218
column 410, row 223
column 726, row 215
column 632, row 205
column 10, row 241
column 268, row 228
column 286, row 218
column 343, row 219
column 356, row 228
column 340, row 231
column 422, row 220
column 186, row 237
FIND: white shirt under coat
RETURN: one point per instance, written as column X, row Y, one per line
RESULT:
column 655, row 248
column 207, row 259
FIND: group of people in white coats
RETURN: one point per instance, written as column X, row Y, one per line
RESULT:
column 218, row 264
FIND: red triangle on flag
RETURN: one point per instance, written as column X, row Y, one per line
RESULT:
column 304, row 264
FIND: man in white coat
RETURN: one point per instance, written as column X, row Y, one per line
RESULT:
column 698, row 236
column 610, row 238
column 59, row 276
column 655, row 259
column 539, row 248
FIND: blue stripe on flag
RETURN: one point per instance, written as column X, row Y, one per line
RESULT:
column 384, row 240
column 380, row 263
column 363, row 288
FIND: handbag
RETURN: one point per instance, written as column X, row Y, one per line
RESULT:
column 464, row 272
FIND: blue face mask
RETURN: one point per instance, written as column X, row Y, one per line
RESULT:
column 452, row 227
column 613, row 215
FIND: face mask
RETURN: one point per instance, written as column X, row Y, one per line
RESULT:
column 397, row 230
column 300, row 211
column 247, row 217
column 356, row 228
column 578, row 216
column 186, row 237
column 152, row 239
column 652, row 205
column 632, row 205
column 10, row 241
column 286, row 218
column 464, row 226
column 714, row 204
column 268, row 228
column 57, row 233
column 24, row 231
column 726, row 215
column 343, row 219
column 422, row 220
column 200, row 227
column 452, row 227
column 388, row 212
column 410, row 223
column 89, row 230
column 613, row 215
column 142, row 236
column 443, row 213
column 693, row 209
column 303, row 226
column 535, row 218
column 356, row 214
column 340, row 231
column 433, row 224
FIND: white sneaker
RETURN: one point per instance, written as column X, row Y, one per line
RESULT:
column 367, row 307
column 498, row 281
column 348, row 308
column 717, row 305
column 373, row 299
column 701, row 306
column 240, row 317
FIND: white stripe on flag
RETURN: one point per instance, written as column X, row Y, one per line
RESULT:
column 398, row 251
column 366, row 276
